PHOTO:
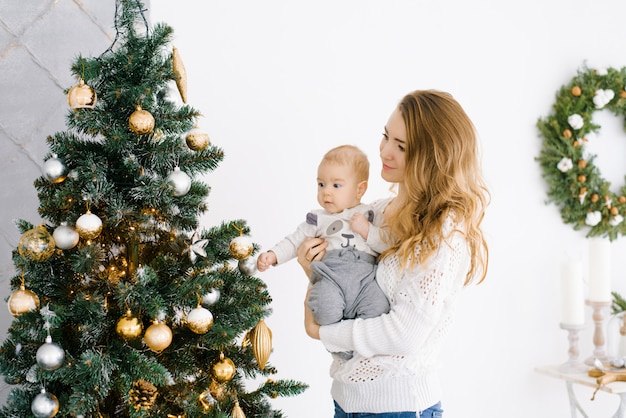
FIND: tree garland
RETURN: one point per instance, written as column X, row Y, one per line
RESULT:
column 575, row 184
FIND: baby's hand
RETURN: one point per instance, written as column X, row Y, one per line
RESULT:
column 265, row 260
column 360, row 225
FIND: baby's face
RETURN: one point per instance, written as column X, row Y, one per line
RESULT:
column 337, row 187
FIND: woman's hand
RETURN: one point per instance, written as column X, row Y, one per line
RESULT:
column 313, row 249
column 312, row 328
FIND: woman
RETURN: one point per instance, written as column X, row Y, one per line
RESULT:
column 429, row 151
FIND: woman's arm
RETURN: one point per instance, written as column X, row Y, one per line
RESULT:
column 313, row 249
column 420, row 297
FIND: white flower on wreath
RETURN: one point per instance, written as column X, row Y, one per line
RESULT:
column 616, row 220
column 593, row 218
column 575, row 121
column 602, row 98
column 581, row 197
column 565, row 165
column 602, row 71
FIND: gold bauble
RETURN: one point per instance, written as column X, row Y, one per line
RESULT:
column 576, row 91
column 81, row 96
column 197, row 139
column 241, row 247
column 200, row 320
column 260, row 337
column 36, row 244
column 22, row 301
column 224, row 369
column 158, row 337
column 180, row 73
column 237, row 411
column 129, row 327
column 217, row 390
column 88, row 225
column 141, row 121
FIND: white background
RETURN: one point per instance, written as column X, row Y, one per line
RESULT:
column 279, row 82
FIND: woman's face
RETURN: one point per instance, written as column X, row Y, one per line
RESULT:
column 393, row 148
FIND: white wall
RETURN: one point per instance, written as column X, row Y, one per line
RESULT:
column 280, row 82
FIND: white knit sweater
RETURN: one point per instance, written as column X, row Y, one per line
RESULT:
column 395, row 361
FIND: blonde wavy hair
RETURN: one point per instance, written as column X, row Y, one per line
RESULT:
column 442, row 178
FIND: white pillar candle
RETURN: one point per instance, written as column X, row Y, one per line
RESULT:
column 599, row 269
column 572, row 294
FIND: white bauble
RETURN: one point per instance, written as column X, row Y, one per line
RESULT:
column 211, row 297
column 200, row 320
column 65, row 236
column 179, row 182
column 88, row 226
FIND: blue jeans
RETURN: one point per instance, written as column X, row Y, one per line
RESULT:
column 434, row 411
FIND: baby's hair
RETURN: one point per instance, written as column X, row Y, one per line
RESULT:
column 351, row 156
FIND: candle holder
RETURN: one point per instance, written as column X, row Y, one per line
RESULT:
column 599, row 342
column 573, row 364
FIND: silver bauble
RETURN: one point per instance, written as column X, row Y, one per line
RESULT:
column 88, row 226
column 247, row 266
column 179, row 182
column 65, row 236
column 44, row 405
column 50, row 356
column 54, row 170
column 200, row 320
column 211, row 297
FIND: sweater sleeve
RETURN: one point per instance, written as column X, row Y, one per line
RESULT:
column 286, row 249
column 419, row 299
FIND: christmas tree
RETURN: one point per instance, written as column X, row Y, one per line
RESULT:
column 123, row 305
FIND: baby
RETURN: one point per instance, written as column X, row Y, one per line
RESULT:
column 343, row 284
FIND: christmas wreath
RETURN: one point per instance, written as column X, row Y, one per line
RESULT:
column 575, row 184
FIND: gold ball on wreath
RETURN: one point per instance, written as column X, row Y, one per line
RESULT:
column 129, row 327
column 36, row 244
column 158, row 337
column 224, row 369
column 141, row 121
column 241, row 247
column 576, row 91
column 22, row 301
